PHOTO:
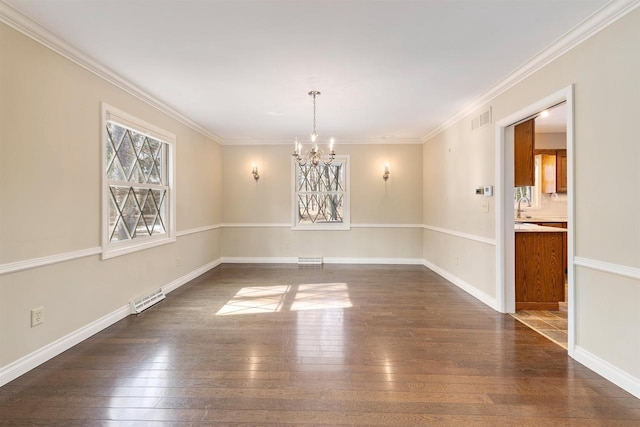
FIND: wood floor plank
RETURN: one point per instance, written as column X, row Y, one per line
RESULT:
column 333, row 345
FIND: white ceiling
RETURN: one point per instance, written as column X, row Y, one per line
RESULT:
column 555, row 122
column 387, row 70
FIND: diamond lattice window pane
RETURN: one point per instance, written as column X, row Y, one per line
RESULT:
column 137, row 140
column 336, row 178
column 119, row 195
column 155, row 147
column 132, row 157
column 145, row 159
column 333, row 208
column 115, row 171
column 323, row 178
column 141, row 195
column 110, row 152
column 115, row 134
column 114, row 215
column 159, row 197
column 159, row 169
column 130, row 212
column 137, row 175
column 311, row 208
column 154, row 175
column 127, row 155
column 320, row 191
column 149, row 211
column 119, row 231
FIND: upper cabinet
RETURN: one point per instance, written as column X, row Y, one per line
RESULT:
column 524, row 142
column 554, row 170
column 561, row 171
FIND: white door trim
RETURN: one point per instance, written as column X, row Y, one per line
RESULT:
column 505, row 240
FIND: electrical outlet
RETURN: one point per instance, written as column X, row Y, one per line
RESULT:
column 484, row 207
column 37, row 316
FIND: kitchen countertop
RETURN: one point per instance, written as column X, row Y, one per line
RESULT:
column 535, row 228
column 541, row 219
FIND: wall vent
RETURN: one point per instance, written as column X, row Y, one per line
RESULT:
column 140, row 304
column 302, row 260
column 482, row 120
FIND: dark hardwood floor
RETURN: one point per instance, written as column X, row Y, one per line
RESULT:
column 338, row 345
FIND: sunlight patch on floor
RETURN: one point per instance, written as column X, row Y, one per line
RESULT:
column 272, row 299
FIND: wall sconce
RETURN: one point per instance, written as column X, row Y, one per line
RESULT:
column 254, row 172
column 386, row 172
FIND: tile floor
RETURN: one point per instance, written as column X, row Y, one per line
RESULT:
column 551, row 324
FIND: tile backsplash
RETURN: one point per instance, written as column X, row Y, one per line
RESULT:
column 553, row 205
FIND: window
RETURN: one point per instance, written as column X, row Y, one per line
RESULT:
column 532, row 194
column 321, row 196
column 137, row 172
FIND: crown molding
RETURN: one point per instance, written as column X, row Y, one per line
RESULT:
column 25, row 25
column 346, row 141
column 599, row 20
column 602, row 18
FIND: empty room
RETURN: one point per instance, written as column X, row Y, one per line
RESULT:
column 319, row 212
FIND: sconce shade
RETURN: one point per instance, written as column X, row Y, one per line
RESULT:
column 386, row 174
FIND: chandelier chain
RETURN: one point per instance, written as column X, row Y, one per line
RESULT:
column 314, row 113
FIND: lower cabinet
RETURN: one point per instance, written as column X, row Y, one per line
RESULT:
column 539, row 270
column 564, row 241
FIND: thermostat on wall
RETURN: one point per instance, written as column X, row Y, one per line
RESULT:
column 488, row 191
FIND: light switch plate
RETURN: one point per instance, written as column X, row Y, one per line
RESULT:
column 484, row 207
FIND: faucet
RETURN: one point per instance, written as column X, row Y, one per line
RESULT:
column 519, row 211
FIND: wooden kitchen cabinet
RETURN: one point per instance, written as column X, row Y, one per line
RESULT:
column 524, row 142
column 554, row 170
column 565, row 257
column 539, row 274
column 549, row 167
column 561, row 171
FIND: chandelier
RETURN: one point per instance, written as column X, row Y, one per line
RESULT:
column 313, row 155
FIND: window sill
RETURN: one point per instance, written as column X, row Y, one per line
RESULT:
column 116, row 250
column 323, row 227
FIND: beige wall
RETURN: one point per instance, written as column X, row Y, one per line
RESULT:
column 373, row 201
column 606, row 72
column 456, row 162
column 551, row 141
column 50, row 157
column 50, row 203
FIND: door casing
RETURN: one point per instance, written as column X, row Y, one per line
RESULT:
column 505, row 237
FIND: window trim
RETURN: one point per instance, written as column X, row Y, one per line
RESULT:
column 345, row 225
column 114, row 249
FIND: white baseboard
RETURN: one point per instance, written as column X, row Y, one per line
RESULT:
column 468, row 288
column 259, row 260
column 382, row 261
column 25, row 364
column 608, row 371
column 38, row 357
column 326, row 260
column 190, row 276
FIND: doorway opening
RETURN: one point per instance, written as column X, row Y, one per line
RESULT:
column 506, row 209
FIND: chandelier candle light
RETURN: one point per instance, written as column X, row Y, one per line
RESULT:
column 313, row 155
